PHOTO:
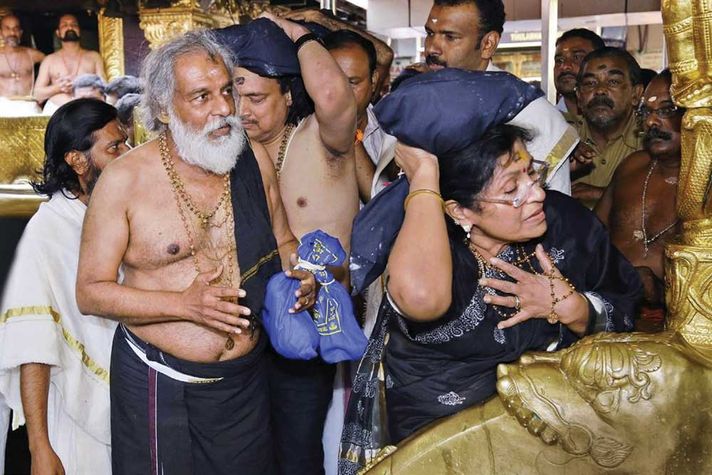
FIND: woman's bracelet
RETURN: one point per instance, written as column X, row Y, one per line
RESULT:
column 553, row 316
column 423, row 191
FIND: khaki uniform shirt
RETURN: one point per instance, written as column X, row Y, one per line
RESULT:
column 607, row 160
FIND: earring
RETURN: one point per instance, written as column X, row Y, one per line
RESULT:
column 163, row 118
column 467, row 228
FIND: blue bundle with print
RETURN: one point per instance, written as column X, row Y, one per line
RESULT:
column 334, row 329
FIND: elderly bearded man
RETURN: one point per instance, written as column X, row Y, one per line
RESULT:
column 195, row 221
column 54, row 361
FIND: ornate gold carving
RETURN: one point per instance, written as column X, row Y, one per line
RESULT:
column 161, row 24
column 21, row 156
column 111, row 44
column 634, row 403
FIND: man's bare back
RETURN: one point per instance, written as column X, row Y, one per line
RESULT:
column 17, row 71
column 319, row 190
column 624, row 217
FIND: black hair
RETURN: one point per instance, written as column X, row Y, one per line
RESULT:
column 647, row 75
column 71, row 127
column 491, row 13
column 463, row 175
column 343, row 38
column 610, row 52
column 585, row 34
column 123, row 85
column 302, row 105
column 666, row 74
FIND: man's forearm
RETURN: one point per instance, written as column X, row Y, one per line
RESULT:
column 45, row 92
column 34, row 389
column 129, row 305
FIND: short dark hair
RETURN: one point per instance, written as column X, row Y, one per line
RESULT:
column 585, row 34
column 71, row 127
column 302, row 105
column 343, row 38
column 610, row 52
column 123, row 85
column 491, row 13
column 63, row 14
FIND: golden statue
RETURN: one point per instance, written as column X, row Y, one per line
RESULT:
column 621, row 403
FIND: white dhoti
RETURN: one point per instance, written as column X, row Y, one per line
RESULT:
column 4, row 425
column 18, row 107
column 40, row 323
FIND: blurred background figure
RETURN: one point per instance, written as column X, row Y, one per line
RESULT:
column 88, row 85
column 126, row 106
column 120, row 86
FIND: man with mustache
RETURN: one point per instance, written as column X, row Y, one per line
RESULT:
column 194, row 220
column 17, row 63
column 571, row 47
column 639, row 205
column 54, row 360
column 608, row 91
column 296, row 102
column 465, row 34
column 58, row 70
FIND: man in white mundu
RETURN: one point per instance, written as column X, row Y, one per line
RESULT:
column 59, row 69
column 17, row 73
column 54, row 361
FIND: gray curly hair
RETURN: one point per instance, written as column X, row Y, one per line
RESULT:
column 158, row 72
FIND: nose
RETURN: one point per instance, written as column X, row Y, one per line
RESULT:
column 243, row 108
column 224, row 105
column 652, row 120
column 432, row 46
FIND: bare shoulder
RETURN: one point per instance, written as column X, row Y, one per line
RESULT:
column 264, row 162
column 135, row 166
column 52, row 58
column 92, row 54
column 35, row 54
column 632, row 164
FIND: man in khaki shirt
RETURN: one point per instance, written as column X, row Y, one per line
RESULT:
column 608, row 90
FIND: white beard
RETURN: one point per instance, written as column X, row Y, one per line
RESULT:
column 217, row 155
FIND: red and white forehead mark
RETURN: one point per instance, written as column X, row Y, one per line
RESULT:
column 653, row 98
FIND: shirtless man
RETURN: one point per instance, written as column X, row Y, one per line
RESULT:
column 314, row 158
column 17, row 62
column 639, row 205
column 188, row 382
column 58, row 70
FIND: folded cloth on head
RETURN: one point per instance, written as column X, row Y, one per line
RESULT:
column 262, row 47
column 441, row 112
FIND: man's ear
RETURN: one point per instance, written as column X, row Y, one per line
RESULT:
column 77, row 161
column 488, row 44
column 288, row 96
column 637, row 94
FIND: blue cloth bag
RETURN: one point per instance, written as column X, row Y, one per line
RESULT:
column 340, row 337
column 293, row 336
column 333, row 330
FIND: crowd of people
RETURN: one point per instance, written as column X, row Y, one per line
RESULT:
column 482, row 221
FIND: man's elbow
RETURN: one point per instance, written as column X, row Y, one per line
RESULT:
column 85, row 298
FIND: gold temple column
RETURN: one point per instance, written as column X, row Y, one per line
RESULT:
column 111, row 44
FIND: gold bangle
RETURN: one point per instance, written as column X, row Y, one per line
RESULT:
column 422, row 191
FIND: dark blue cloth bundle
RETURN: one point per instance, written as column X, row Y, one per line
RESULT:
column 293, row 336
column 441, row 112
column 334, row 330
column 262, row 47
column 340, row 337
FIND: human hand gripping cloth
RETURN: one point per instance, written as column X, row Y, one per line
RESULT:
column 334, row 330
column 441, row 112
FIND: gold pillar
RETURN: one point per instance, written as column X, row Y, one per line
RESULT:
column 111, row 44
column 162, row 24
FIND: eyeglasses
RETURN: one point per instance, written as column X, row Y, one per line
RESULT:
column 664, row 112
column 537, row 173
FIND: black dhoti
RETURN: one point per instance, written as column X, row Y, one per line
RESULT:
column 170, row 416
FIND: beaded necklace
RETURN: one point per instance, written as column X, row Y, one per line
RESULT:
column 182, row 199
column 283, row 149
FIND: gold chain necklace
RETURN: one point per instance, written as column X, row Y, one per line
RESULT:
column 14, row 74
column 642, row 233
column 179, row 194
column 79, row 63
column 179, row 187
column 283, row 149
